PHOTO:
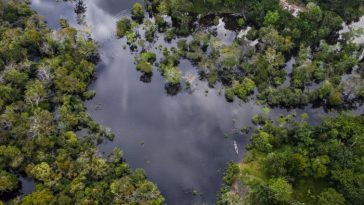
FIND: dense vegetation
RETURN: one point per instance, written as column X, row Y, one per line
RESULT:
column 292, row 162
column 44, row 75
column 288, row 162
column 256, row 62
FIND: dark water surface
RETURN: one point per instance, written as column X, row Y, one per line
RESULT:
column 184, row 141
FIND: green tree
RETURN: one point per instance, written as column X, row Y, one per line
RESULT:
column 242, row 90
column 335, row 98
column 241, row 22
column 41, row 123
column 137, row 12
column 271, row 18
column 42, row 197
column 122, row 27
column 331, row 196
column 11, row 156
column 148, row 56
column 144, row 67
column 281, row 191
column 42, row 172
column 32, row 37
column 35, row 93
column 261, row 142
column 319, row 166
column 8, row 182
column 16, row 78
column 172, row 74
column 121, row 188
column 276, row 164
column 229, row 94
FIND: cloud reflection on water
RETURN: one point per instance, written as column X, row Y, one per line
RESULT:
column 179, row 140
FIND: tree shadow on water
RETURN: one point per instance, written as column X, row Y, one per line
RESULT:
column 146, row 77
column 172, row 89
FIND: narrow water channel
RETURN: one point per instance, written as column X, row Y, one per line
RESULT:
column 183, row 141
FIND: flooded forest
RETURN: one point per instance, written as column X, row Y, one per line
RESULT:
column 186, row 102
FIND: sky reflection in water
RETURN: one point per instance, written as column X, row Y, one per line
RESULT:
column 181, row 141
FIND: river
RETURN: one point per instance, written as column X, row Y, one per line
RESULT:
column 183, row 141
